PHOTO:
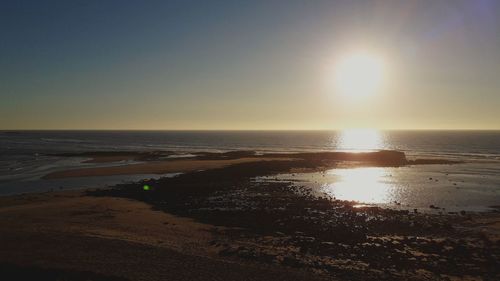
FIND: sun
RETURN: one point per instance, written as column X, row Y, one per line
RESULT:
column 359, row 74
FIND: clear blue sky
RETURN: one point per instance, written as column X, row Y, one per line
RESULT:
column 245, row 64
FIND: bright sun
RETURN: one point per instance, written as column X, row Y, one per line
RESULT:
column 359, row 75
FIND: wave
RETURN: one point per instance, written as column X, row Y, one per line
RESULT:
column 64, row 140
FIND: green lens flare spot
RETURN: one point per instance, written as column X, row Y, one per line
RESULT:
column 146, row 187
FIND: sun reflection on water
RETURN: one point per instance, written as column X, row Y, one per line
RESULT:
column 367, row 185
column 357, row 140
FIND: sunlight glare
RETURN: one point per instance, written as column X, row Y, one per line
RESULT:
column 359, row 75
column 366, row 185
column 357, row 140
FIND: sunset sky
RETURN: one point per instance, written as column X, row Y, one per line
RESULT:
column 248, row 64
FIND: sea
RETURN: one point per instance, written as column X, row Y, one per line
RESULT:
column 474, row 185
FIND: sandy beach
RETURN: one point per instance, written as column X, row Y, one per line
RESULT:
column 152, row 163
column 158, row 167
column 215, row 222
column 70, row 235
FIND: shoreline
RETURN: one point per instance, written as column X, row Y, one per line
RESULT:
column 155, row 167
column 106, row 229
column 155, row 162
column 219, row 219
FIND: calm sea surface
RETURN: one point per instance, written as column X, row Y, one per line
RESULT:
column 473, row 185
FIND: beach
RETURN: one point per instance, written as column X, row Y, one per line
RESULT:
column 215, row 220
column 70, row 235
column 250, row 140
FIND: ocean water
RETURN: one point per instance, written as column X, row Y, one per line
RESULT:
column 25, row 157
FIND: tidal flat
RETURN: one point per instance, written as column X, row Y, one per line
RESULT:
column 197, row 224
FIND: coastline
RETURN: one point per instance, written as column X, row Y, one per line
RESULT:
column 155, row 162
column 157, row 167
column 219, row 219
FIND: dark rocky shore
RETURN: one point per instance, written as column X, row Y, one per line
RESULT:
column 276, row 223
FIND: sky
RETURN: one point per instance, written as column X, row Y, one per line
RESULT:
column 246, row 65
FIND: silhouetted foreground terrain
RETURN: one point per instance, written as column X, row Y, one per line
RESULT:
column 41, row 274
column 223, row 224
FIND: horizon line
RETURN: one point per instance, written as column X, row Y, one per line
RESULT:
column 245, row 130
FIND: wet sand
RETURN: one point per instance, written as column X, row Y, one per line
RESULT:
column 117, row 156
column 204, row 161
column 220, row 224
column 156, row 167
